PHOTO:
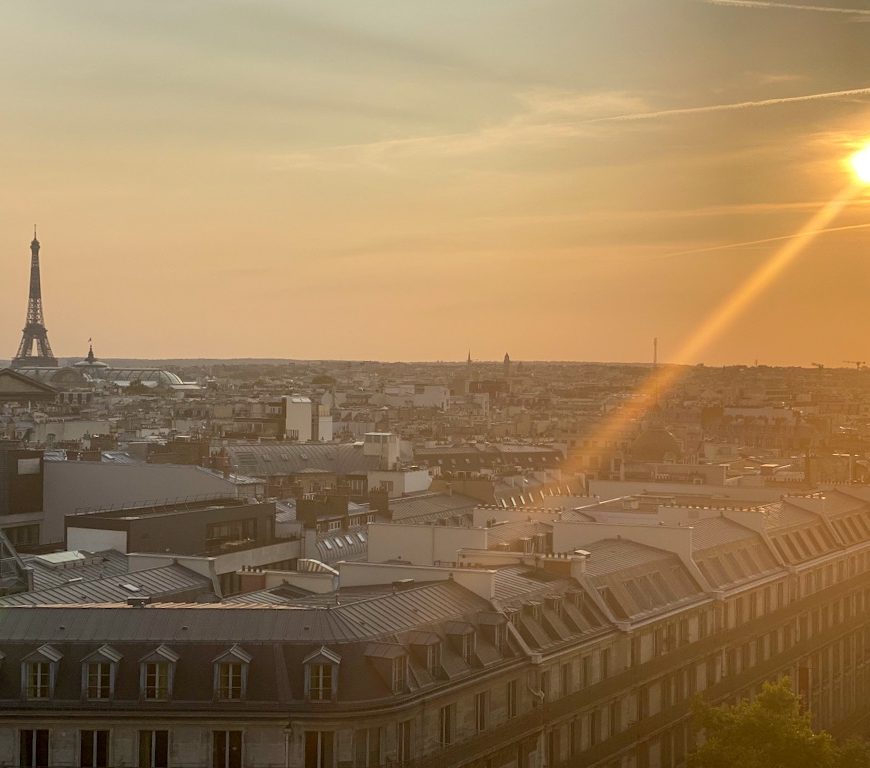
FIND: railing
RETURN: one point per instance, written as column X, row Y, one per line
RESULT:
column 155, row 504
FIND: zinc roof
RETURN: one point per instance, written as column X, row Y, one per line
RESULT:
column 379, row 617
column 716, row 531
column 162, row 582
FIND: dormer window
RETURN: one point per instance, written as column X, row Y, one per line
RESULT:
column 426, row 648
column 320, row 687
column 39, row 672
column 157, row 674
column 99, row 670
column 231, row 674
column 433, row 659
column 156, row 687
column 554, row 603
column 463, row 639
column 399, row 666
column 468, row 647
column 494, row 628
column 321, row 675
column 391, row 662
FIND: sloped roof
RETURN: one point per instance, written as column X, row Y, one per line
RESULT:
column 162, row 583
column 260, row 460
column 375, row 618
column 430, row 506
column 15, row 386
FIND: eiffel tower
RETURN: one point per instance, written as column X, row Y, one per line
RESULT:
column 34, row 333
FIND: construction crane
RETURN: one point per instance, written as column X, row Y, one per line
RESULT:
column 818, row 365
column 859, row 364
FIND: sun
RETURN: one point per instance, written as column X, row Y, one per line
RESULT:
column 861, row 164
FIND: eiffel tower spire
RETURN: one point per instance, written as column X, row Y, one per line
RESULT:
column 34, row 333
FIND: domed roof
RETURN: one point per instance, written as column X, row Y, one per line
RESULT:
column 655, row 443
column 90, row 361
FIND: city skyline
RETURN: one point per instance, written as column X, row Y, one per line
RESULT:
column 399, row 183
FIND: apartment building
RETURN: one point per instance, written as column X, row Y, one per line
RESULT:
column 588, row 655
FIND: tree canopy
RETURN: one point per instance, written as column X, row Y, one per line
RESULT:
column 770, row 731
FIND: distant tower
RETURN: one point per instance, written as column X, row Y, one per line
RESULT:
column 507, row 365
column 468, row 362
column 34, row 330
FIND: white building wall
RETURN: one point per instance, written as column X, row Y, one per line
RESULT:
column 77, row 485
column 298, row 420
column 421, row 544
column 324, row 428
column 399, row 482
column 95, row 540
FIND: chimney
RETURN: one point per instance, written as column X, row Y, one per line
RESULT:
column 379, row 501
column 251, row 580
column 578, row 563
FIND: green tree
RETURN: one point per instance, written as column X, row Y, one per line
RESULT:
column 770, row 731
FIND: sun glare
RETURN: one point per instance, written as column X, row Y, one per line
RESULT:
column 861, row 164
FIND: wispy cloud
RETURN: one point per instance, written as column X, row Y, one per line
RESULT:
column 545, row 117
column 763, row 241
column 735, row 105
column 788, row 6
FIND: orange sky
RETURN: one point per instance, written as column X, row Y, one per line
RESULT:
column 408, row 180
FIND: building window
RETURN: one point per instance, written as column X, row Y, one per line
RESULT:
column 565, row 679
column 33, row 748
column 321, row 675
column 546, row 689
column 226, row 749
column 433, row 659
column 613, row 718
column 481, row 710
column 321, row 682
column 553, row 747
column 38, row 680
column 231, row 674
column 512, row 702
column 155, row 681
column 398, row 676
column 156, row 674
column 153, row 749
column 403, row 741
column 319, row 749
column 94, row 749
column 593, row 729
column 468, row 647
column 367, row 748
column 220, row 536
column 99, row 681
column 446, row 723
column 23, row 535
column 587, row 671
column 230, row 681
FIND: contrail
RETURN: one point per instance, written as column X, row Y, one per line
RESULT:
column 788, row 6
column 732, row 105
column 747, row 243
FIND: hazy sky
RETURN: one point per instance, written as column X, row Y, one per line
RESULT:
column 410, row 179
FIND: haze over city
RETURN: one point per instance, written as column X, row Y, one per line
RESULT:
column 407, row 181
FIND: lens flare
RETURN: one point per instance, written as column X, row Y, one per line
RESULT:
column 861, row 164
column 615, row 427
